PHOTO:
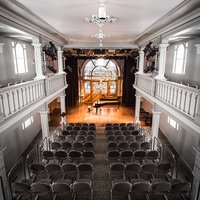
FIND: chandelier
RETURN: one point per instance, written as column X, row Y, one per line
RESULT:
column 102, row 18
column 100, row 36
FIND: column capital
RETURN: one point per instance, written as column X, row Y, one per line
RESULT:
column 156, row 112
column 163, row 45
column 37, row 45
column 43, row 112
column 141, row 52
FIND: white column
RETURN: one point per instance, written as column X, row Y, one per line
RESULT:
column 196, row 181
column 60, row 61
column 141, row 62
column 63, row 110
column 137, row 108
column 162, row 61
column 198, row 48
column 6, row 193
column 38, row 60
column 45, row 127
column 1, row 47
column 155, row 124
column 1, row 115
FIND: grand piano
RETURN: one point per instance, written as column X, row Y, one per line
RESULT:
column 106, row 101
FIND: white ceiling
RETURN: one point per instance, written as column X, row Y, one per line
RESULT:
column 134, row 17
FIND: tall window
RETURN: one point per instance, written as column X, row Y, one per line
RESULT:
column 180, row 55
column 20, row 60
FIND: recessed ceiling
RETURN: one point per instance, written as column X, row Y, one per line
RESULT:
column 68, row 18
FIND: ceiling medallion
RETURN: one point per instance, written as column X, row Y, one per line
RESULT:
column 102, row 18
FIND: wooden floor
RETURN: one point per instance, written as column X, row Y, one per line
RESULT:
column 111, row 114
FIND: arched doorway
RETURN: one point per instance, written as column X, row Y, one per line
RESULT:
column 100, row 78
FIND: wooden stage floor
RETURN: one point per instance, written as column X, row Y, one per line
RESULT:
column 111, row 114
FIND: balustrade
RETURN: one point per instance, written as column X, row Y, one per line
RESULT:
column 16, row 97
column 146, row 83
column 183, row 98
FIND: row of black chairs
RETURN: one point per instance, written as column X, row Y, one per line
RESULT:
column 140, row 156
column 78, row 132
column 122, row 138
column 158, row 189
column 147, row 171
column 54, row 171
column 73, row 156
column 77, row 128
column 130, row 145
column 122, row 132
column 61, row 189
column 120, row 124
column 70, row 145
column 54, row 145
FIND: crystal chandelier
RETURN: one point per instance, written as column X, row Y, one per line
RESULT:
column 102, row 18
column 100, row 36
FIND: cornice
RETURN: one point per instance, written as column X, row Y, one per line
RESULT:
column 17, row 16
column 184, row 13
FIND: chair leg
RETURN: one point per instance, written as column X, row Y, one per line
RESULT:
column 111, row 194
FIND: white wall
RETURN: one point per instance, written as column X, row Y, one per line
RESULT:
column 7, row 64
column 192, row 72
column 183, row 139
column 17, row 140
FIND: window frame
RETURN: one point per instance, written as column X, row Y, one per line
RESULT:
column 175, row 69
column 17, row 58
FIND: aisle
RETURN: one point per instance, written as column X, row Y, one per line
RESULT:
column 101, row 183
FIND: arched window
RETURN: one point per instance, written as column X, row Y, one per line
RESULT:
column 100, row 77
column 20, row 60
column 180, row 56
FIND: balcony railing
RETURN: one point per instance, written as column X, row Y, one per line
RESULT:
column 16, row 97
column 145, row 83
column 183, row 98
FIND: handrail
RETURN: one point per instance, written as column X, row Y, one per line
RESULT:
column 181, row 161
column 160, row 144
column 166, row 148
column 19, row 161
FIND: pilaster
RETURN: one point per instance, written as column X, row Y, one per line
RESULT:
column 162, row 61
column 141, row 62
column 137, row 108
column 60, row 61
column 38, row 60
column 45, row 127
column 155, row 123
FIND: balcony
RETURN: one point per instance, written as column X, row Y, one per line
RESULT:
column 20, row 96
column 183, row 98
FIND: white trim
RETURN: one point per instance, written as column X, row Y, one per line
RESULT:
column 170, row 110
column 14, row 119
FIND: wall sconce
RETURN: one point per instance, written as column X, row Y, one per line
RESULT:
column 198, row 48
column 1, row 47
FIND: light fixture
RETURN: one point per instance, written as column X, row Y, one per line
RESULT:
column 101, row 35
column 102, row 18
